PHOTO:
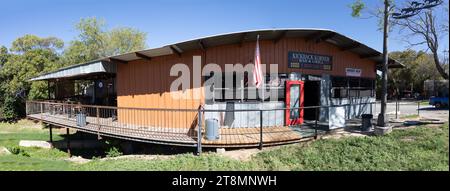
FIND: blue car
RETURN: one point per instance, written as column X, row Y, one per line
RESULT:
column 439, row 102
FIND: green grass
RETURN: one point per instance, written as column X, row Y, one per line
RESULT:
column 412, row 116
column 426, row 103
column 421, row 148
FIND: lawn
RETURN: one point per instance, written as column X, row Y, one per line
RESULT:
column 425, row 103
column 421, row 148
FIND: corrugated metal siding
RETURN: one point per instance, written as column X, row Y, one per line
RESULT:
column 146, row 84
column 272, row 53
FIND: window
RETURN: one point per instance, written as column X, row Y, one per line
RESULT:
column 240, row 87
column 345, row 87
column 339, row 87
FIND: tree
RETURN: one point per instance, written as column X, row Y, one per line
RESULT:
column 384, row 18
column 419, row 66
column 96, row 41
column 427, row 27
column 30, row 56
column 32, row 42
column 4, row 55
column 123, row 40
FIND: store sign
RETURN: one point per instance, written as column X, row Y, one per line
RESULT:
column 353, row 72
column 309, row 61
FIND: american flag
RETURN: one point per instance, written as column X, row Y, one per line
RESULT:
column 257, row 72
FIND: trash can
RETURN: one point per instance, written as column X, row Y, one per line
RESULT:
column 212, row 129
column 81, row 119
column 366, row 123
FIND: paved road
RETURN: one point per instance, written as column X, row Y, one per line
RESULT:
column 410, row 108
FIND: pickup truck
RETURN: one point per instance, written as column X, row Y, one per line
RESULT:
column 439, row 102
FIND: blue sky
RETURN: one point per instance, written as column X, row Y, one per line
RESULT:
column 171, row 21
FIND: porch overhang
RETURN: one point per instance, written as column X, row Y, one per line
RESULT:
column 79, row 71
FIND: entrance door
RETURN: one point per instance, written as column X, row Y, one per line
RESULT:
column 294, row 99
column 312, row 98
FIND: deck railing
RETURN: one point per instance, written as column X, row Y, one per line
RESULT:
column 141, row 123
column 185, row 127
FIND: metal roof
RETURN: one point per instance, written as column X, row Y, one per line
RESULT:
column 324, row 35
column 79, row 70
column 319, row 35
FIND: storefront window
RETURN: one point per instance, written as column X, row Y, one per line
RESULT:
column 241, row 89
column 345, row 87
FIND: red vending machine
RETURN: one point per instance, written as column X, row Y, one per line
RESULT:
column 294, row 99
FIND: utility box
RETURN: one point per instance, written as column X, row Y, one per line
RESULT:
column 212, row 129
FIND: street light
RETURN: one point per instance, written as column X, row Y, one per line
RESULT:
column 413, row 9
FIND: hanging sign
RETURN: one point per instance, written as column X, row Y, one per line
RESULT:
column 309, row 61
column 353, row 72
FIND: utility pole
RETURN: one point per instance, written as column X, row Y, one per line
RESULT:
column 382, row 119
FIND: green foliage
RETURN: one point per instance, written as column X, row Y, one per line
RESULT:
column 96, row 41
column 419, row 66
column 3, row 55
column 18, row 151
column 123, row 40
column 357, row 7
column 32, row 42
column 12, row 108
column 113, row 152
column 31, row 56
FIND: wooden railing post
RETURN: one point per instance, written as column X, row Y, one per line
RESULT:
column 98, row 120
column 42, row 112
column 315, row 125
column 68, row 142
column 260, row 129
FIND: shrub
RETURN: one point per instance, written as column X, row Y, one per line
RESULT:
column 18, row 151
column 12, row 108
column 113, row 152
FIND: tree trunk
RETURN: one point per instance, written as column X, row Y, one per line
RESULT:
column 438, row 65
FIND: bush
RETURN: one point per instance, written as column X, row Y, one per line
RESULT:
column 18, row 151
column 113, row 152
column 12, row 108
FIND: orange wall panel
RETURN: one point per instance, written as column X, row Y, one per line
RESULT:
column 146, row 83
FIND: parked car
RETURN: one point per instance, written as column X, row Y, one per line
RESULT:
column 439, row 102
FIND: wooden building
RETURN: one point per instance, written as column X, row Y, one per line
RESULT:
column 335, row 71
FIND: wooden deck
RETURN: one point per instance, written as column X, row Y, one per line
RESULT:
column 251, row 136
column 229, row 137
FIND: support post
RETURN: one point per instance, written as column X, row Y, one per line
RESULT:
column 199, row 133
column 51, row 134
column 418, row 108
column 315, row 125
column 396, row 108
column 42, row 112
column 260, row 129
column 68, row 142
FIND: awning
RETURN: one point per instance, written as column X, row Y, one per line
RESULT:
column 80, row 70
